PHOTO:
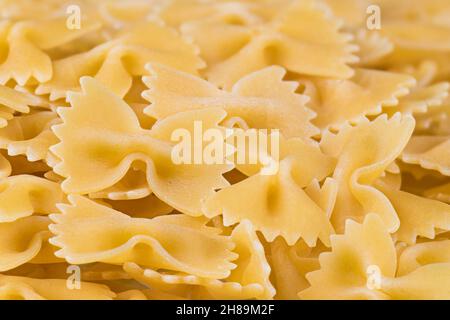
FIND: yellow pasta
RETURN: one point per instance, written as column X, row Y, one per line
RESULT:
column 25, row 195
column 21, row 288
column 279, row 41
column 224, row 149
column 261, row 99
column 114, row 63
column 97, row 165
column 175, row 242
column 338, row 102
column 358, row 167
column 30, row 135
column 250, row 279
column 361, row 247
column 12, row 101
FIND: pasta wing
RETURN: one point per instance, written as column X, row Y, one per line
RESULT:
column 418, row 216
column 177, row 243
column 24, row 195
column 430, row 152
column 338, row 102
column 262, row 99
column 25, row 240
column 249, row 280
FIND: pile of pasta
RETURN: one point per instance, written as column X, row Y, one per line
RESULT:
column 360, row 205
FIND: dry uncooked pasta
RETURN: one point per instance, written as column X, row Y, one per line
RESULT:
column 224, row 149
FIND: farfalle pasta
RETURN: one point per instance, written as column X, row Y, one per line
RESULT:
column 363, row 246
column 280, row 41
column 116, row 62
column 224, row 149
column 172, row 241
column 96, row 162
column 250, row 279
column 262, row 99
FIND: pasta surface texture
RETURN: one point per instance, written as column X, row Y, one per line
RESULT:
column 224, row 149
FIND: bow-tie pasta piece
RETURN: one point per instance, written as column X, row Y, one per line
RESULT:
column 338, row 102
column 225, row 149
column 283, row 41
column 250, row 279
column 21, row 288
column 112, row 140
column 364, row 152
column 418, row 216
column 116, row 62
column 363, row 263
column 30, row 135
column 430, row 152
column 178, row 243
column 26, row 42
column 262, row 99
column 275, row 204
column 342, row 272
